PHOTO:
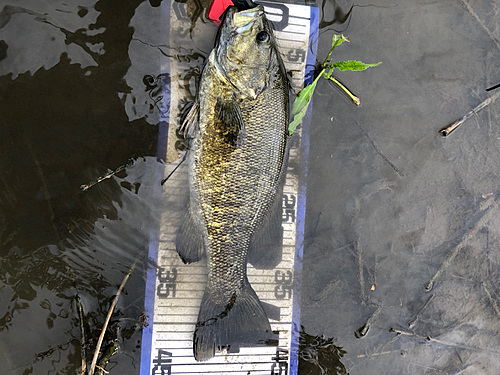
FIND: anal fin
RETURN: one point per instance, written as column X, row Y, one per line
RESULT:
column 266, row 246
column 189, row 240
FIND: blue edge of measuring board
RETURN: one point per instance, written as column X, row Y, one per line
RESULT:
column 154, row 241
column 301, row 198
column 147, row 333
column 154, row 236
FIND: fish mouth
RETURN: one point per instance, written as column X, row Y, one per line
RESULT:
column 234, row 41
column 241, row 22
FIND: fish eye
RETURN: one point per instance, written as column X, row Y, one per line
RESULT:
column 263, row 37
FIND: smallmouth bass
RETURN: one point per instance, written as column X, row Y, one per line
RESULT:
column 237, row 161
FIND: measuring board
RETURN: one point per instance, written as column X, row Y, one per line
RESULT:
column 174, row 289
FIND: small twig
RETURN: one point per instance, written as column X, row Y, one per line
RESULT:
column 462, row 370
column 82, row 331
column 428, row 338
column 106, row 356
column 361, row 277
column 375, row 354
column 107, row 175
column 446, row 131
column 378, row 350
column 103, row 370
column 336, row 42
column 353, row 97
column 363, row 330
column 325, row 292
column 379, row 152
column 412, row 322
column 426, row 367
column 490, row 297
column 445, row 265
column 493, row 87
column 47, row 353
column 108, row 317
column 486, row 214
column 373, row 276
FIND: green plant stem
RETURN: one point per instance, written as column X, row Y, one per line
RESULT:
column 106, row 356
column 354, row 98
column 329, row 54
column 337, row 42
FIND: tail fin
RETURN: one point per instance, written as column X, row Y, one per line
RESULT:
column 222, row 321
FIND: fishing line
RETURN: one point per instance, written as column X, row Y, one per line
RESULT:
column 171, row 173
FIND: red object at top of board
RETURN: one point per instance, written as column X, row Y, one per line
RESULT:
column 217, row 8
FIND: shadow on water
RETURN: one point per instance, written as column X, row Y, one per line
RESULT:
column 319, row 355
column 193, row 11
column 67, row 125
column 341, row 14
column 63, row 124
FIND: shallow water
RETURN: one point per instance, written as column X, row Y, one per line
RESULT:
column 391, row 205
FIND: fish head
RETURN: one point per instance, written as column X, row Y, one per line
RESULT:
column 246, row 51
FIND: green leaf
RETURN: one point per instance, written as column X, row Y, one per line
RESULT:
column 301, row 103
column 337, row 40
column 351, row 65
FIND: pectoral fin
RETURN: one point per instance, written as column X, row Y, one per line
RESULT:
column 230, row 121
column 190, row 125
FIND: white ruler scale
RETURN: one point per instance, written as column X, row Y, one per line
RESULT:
column 174, row 289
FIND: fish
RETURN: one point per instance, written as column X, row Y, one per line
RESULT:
column 237, row 158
